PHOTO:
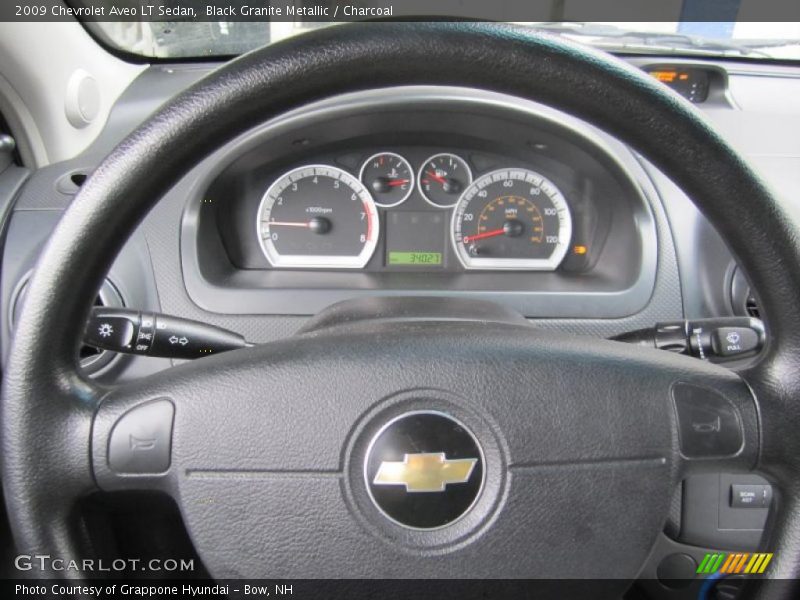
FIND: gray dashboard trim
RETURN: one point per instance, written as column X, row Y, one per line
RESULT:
column 303, row 301
column 162, row 226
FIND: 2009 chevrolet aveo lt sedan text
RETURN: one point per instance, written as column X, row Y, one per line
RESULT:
column 438, row 308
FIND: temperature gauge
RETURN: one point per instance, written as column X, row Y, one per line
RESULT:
column 389, row 177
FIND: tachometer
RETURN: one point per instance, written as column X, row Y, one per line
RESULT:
column 512, row 219
column 318, row 216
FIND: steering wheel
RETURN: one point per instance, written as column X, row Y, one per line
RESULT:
column 466, row 445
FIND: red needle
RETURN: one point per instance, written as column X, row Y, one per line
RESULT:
column 485, row 234
column 436, row 177
column 397, row 182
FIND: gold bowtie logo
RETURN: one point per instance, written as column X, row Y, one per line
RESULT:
column 428, row 472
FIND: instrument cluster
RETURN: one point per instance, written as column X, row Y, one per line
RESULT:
column 443, row 193
column 384, row 209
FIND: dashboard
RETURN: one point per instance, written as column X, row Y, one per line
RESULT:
column 435, row 208
column 439, row 192
column 635, row 250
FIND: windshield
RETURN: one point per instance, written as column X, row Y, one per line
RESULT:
column 187, row 39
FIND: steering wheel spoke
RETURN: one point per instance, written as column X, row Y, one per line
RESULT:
column 716, row 421
column 132, row 439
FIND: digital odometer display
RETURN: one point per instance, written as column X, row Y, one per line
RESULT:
column 416, row 239
column 426, row 259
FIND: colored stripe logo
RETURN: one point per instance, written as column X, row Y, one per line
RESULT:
column 734, row 562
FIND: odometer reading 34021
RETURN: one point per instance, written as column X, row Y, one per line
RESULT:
column 318, row 217
column 512, row 219
column 415, row 258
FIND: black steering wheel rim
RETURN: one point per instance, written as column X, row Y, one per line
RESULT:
column 44, row 394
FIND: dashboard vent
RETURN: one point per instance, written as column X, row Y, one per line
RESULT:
column 742, row 298
column 751, row 307
column 71, row 182
column 92, row 360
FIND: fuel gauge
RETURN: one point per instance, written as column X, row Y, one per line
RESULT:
column 389, row 177
column 442, row 179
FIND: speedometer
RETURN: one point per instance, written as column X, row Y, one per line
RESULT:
column 512, row 219
column 318, row 216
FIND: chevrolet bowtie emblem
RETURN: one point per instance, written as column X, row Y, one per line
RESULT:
column 428, row 472
column 424, row 490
